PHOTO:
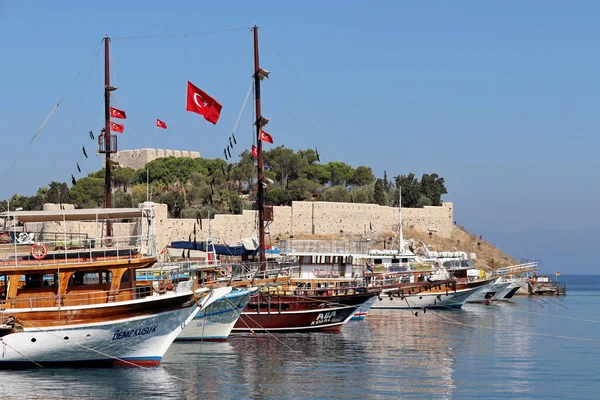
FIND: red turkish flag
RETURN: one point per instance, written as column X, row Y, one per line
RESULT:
column 201, row 103
column 254, row 152
column 161, row 124
column 116, row 127
column 116, row 113
column 265, row 137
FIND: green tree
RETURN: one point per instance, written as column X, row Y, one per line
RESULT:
column 362, row 176
column 379, row 194
column 432, row 187
column 363, row 194
column 339, row 194
column 411, row 190
column 339, row 172
column 423, row 201
column 58, row 192
column 87, row 193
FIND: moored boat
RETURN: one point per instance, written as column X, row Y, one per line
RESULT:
column 72, row 300
column 215, row 322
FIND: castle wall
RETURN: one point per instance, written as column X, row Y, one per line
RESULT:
column 138, row 158
column 303, row 217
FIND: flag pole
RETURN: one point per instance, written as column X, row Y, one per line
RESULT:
column 156, row 137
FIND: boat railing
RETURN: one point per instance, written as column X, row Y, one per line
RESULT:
column 262, row 270
column 82, row 296
column 324, row 246
column 76, row 250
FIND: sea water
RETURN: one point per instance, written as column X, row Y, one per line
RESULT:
column 539, row 347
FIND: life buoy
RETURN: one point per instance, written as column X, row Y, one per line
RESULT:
column 108, row 241
column 39, row 251
column 225, row 270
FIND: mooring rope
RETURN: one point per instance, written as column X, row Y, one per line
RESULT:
column 299, row 353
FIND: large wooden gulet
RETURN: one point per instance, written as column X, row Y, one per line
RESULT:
column 70, row 298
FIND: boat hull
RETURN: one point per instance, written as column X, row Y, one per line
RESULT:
column 487, row 293
column 132, row 341
column 215, row 322
column 436, row 300
column 508, row 292
column 363, row 309
column 324, row 319
column 299, row 312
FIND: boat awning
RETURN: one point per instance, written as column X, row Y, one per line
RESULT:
column 86, row 214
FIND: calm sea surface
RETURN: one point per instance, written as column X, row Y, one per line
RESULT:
column 541, row 348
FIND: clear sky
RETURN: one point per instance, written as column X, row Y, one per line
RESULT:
column 499, row 98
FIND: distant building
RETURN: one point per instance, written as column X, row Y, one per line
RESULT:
column 137, row 159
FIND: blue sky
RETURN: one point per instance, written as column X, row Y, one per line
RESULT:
column 499, row 98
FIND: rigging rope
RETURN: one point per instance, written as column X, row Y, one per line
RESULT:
column 32, row 139
column 180, row 34
column 312, row 97
column 235, row 309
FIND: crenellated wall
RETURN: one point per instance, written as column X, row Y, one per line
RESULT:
column 138, row 158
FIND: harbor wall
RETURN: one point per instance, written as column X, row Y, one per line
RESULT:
column 302, row 217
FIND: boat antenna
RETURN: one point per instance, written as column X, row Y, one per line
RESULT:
column 260, row 194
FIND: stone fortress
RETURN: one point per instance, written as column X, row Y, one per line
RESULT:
column 137, row 159
column 302, row 217
column 308, row 217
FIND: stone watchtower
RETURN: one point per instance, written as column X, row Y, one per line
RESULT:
column 137, row 159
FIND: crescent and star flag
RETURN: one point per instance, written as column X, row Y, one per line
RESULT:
column 161, row 124
column 254, row 152
column 265, row 137
column 116, row 113
column 557, row 273
column 116, row 127
column 201, row 103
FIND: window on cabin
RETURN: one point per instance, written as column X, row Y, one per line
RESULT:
column 377, row 261
column 33, row 281
column 50, row 280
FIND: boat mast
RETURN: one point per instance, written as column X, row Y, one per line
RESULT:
column 107, row 135
column 401, row 239
column 260, row 194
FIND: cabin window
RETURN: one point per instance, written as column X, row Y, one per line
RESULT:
column 125, row 277
column 33, row 281
column 50, row 280
column 306, row 259
column 395, row 261
column 377, row 261
column 404, row 260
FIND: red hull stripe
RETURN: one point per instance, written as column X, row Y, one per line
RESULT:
column 104, row 363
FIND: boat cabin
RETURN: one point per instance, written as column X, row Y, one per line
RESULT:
column 67, row 259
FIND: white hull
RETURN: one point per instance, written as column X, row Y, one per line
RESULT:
column 141, row 340
column 486, row 293
column 363, row 310
column 509, row 291
column 425, row 300
column 215, row 322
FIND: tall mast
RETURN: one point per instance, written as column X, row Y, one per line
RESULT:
column 107, row 135
column 400, row 220
column 260, row 193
